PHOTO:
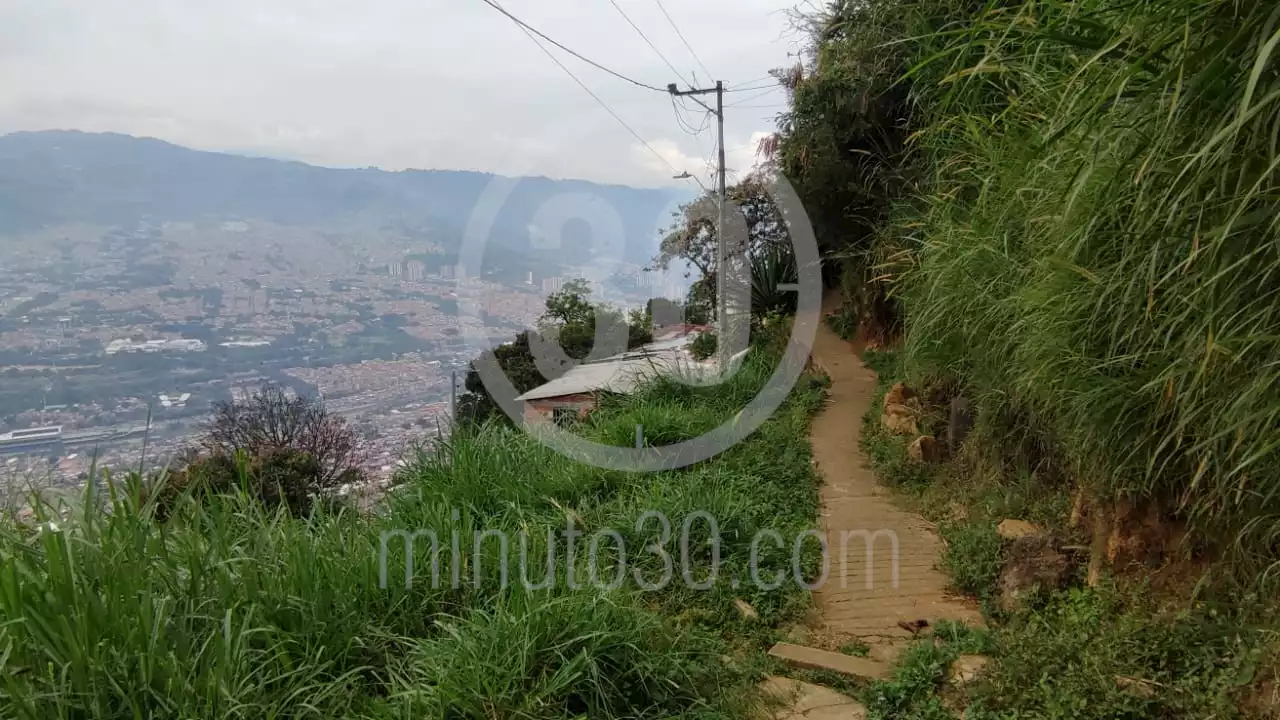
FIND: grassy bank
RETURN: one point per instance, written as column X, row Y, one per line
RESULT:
column 1140, row 644
column 1073, row 208
column 227, row 610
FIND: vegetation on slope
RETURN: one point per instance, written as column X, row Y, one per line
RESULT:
column 228, row 609
column 1068, row 212
column 1076, row 214
column 1135, row 646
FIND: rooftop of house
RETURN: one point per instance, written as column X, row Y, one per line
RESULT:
column 622, row 373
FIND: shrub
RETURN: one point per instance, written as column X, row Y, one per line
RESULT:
column 271, row 422
column 275, row 477
column 844, row 322
column 703, row 346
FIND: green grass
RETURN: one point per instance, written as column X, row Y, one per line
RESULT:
column 227, row 610
column 855, row 648
column 1082, row 227
column 913, row 689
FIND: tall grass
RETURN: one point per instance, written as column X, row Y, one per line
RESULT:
column 1092, row 239
column 225, row 609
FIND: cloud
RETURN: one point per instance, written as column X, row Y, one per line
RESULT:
column 665, row 155
column 399, row 83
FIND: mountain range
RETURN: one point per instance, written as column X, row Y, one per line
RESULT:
column 55, row 177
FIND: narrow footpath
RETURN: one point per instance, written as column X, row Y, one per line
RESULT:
column 861, row 600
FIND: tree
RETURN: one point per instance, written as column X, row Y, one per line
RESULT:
column 271, row 421
column 570, row 306
column 767, row 248
column 693, row 238
column 571, row 320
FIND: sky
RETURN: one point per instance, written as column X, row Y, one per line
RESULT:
column 444, row 84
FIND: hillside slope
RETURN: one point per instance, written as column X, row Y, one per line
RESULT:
column 55, row 177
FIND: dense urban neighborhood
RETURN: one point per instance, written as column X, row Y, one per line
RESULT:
column 124, row 335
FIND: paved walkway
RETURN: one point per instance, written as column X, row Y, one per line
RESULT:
column 862, row 599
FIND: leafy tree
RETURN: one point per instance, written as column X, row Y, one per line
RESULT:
column 767, row 248
column 844, row 146
column 693, row 238
column 571, row 321
column 570, row 306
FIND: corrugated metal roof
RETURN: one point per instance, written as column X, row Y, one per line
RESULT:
column 620, row 373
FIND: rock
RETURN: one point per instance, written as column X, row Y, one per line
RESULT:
column 1014, row 529
column 925, row 449
column 745, row 609
column 899, row 420
column 959, row 423
column 899, row 394
column 1136, row 687
column 1031, row 562
column 966, row 669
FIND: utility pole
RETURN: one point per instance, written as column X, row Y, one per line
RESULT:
column 722, row 305
column 453, row 397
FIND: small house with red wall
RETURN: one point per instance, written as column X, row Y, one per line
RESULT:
column 574, row 394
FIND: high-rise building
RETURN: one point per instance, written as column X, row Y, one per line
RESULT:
column 416, row 270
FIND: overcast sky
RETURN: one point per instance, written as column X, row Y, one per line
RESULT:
column 393, row 83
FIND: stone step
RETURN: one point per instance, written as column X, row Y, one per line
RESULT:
column 815, row 659
column 806, row 701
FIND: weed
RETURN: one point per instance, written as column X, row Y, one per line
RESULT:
column 844, row 322
column 911, row 693
column 855, row 648
column 972, row 557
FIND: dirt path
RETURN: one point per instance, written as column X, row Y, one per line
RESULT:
column 861, row 598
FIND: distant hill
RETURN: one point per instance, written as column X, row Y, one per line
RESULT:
column 54, row 177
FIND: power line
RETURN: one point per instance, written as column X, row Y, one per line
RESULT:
column 530, row 29
column 756, row 87
column 682, row 38
column 644, row 37
column 685, row 124
column 695, row 132
column 757, row 96
column 530, row 32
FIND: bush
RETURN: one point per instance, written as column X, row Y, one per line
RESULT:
column 272, row 427
column 844, row 322
column 275, row 477
column 703, row 346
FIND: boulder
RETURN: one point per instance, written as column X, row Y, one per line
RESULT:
column 899, row 419
column 925, row 449
column 1014, row 529
column 1031, row 562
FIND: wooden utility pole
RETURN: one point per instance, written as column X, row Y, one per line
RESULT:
column 722, row 306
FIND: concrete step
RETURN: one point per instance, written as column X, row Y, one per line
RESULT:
column 815, row 659
column 806, row 701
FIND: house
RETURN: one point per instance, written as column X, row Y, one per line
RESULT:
column 574, row 394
